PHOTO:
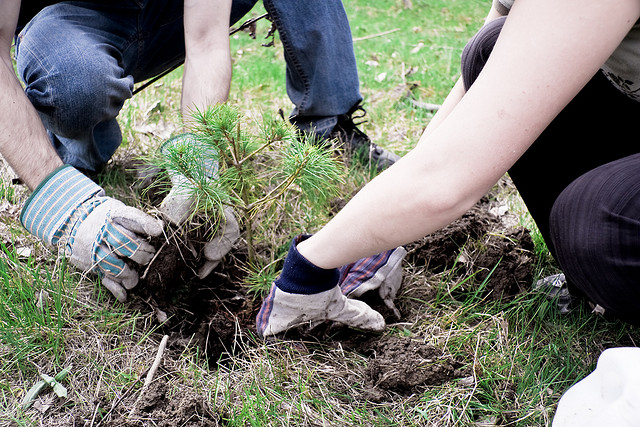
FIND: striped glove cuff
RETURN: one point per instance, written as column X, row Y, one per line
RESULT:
column 53, row 207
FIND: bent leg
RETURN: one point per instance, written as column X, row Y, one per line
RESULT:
column 322, row 75
column 595, row 227
column 74, row 78
column 579, row 181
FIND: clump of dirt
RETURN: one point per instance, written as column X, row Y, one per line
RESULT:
column 503, row 264
column 206, row 311
column 403, row 365
column 500, row 261
column 439, row 250
column 184, row 409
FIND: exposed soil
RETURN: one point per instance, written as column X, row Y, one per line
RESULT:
column 502, row 258
column 209, row 311
column 215, row 311
column 185, row 409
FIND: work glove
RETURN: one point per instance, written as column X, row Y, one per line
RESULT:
column 96, row 233
column 307, row 294
column 382, row 272
column 223, row 240
column 180, row 203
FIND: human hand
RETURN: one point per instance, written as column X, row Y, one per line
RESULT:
column 180, row 203
column 307, row 294
column 224, row 239
column 382, row 272
column 96, row 233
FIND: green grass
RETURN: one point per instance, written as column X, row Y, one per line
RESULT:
column 518, row 357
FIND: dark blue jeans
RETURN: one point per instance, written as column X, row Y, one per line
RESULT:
column 581, row 184
column 79, row 62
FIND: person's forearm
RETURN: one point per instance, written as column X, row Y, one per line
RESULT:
column 207, row 68
column 206, row 82
column 455, row 95
column 23, row 140
column 546, row 53
column 450, row 102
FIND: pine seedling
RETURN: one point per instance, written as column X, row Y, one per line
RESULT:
column 252, row 170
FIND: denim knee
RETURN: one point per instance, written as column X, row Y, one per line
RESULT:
column 594, row 225
column 72, row 88
column 476, row 53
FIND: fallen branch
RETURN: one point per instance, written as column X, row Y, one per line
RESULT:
column 150, row 374
column 425, row 105
column 372, row 36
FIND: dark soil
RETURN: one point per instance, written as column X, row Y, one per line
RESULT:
column 209, row 312
column 214, row 312
column 499, row 260
column 403, row 365
column 185, row 409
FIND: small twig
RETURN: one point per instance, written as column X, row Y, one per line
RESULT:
column 146, row 270
column 372, row 36
column 425, row 105
column 150, row 374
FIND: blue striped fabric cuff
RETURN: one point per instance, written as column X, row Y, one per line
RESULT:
column 52, row 204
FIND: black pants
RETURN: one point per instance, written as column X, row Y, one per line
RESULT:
column 580, row 181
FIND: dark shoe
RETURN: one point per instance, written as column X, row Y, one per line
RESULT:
column 357, row 143
column 555, row 287
column 350, row 139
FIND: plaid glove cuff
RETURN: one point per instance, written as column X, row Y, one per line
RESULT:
column 353, row 275
column 54, row 205
column 300, row 276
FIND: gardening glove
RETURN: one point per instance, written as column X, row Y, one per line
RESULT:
column 224, row 239
column 72, row 213
column 382, row 272
column 179, row 204
column 307, row 294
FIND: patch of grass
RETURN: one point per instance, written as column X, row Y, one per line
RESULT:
column 516, row 358
column 33, row 311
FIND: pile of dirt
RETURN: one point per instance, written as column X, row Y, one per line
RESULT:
column 213, row 312
column 155, row 407
column 499, row 261
column 209, row 312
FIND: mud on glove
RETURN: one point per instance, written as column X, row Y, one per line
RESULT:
column 71, row 212
column 382, row 272
column 307, row 294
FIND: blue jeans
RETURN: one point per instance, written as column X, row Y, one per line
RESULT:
column 79, row 62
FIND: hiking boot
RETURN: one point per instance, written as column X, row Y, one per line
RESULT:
column 349, row 138
column 555, row 287
column 357, row 143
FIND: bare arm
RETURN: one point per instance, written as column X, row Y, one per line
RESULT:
column 207, row 67
column 457, row 92
column 546, row 53
column 23, row 139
